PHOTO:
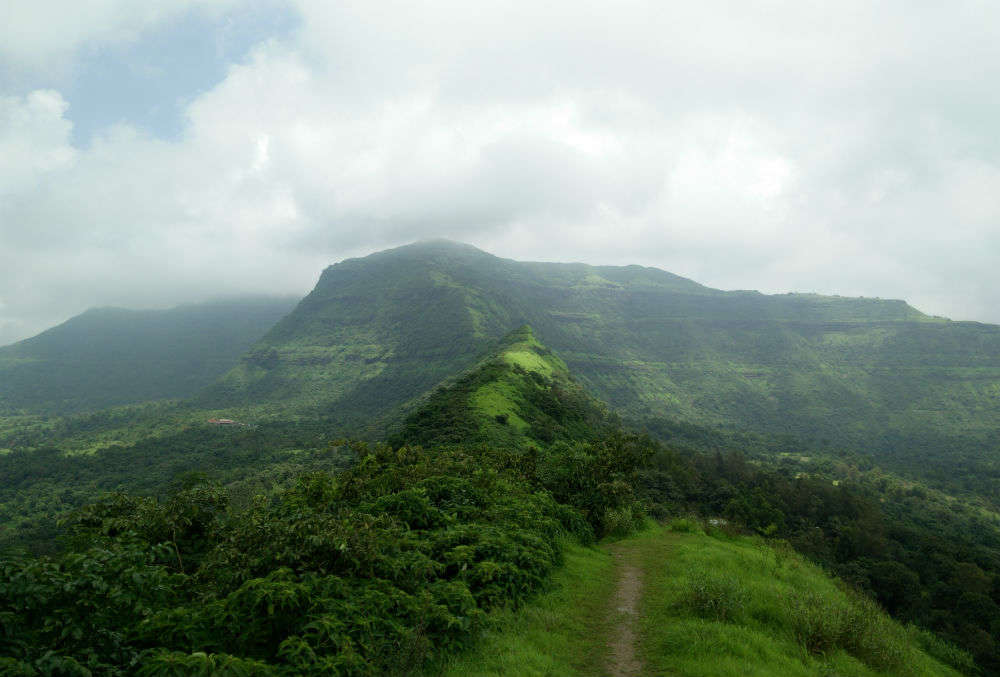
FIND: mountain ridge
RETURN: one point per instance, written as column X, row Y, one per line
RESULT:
column 518, row 396
column 378, row 331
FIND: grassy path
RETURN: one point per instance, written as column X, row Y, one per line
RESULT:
column 688, row 604
column 562, row 632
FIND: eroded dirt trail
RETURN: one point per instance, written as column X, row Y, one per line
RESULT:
column 624, row 661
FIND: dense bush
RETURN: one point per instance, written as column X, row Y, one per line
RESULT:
column 364, row 572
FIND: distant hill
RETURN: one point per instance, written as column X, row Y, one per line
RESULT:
column 860, row 373
column 112, row 356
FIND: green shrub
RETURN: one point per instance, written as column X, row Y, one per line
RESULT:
column 175, row 664
column 716, row 598
column 685, row 525
column 622, row 521
column 946, row 652
column 823, row 624
column 364, row 573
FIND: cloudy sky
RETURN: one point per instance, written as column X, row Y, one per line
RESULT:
column 168, row 151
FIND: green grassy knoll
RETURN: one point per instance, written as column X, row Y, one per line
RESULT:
column 112, row 356
column 710, row 606
column 522, row 394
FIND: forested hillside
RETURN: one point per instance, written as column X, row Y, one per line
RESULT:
column 921, row 394
column 379, row 559
column 860, row 432
column 112, row 356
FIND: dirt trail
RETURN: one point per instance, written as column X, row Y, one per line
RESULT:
column 624, row 662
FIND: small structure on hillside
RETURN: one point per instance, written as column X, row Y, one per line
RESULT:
column 222, row 421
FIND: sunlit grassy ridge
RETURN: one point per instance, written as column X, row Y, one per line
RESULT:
column 520, row 395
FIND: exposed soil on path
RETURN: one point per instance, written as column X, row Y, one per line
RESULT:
column 624, row 611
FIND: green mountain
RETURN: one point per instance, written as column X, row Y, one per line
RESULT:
column 113, row 356
column 861, row 374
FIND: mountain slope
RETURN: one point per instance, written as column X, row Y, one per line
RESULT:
column 520, row 395
column 112, row 356
column 865, row 374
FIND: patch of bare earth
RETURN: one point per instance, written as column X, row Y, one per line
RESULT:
column 623, row 661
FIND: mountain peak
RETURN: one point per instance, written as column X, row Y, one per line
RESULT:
column 437, row 247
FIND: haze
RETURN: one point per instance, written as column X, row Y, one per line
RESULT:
column 163, row 152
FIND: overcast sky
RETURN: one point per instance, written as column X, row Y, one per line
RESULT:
column 168, row 151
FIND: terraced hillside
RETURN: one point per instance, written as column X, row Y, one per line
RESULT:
column 863, row 374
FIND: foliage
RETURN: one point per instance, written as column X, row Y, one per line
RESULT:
column 563, row 631
column 366, row 572
column 924, row 557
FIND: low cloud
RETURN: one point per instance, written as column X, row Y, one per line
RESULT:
column 844, row 150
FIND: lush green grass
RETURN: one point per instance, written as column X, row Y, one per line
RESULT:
column 720, row 606
column 711, row 606
column 561, row 632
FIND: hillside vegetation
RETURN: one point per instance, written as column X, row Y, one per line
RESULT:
column 863, row 375
column 112, row 356
column 519, row 395
column 299, row 556
column 273, row 547
column 709, row 606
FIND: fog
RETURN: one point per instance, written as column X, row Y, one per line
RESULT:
column 178, row 151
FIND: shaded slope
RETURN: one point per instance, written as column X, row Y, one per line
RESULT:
column 868, row 374
column 113, row 356
column 520, row 395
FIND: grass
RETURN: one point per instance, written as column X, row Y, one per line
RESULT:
column 716, row 606
column 711, row 606
column 500, row 398
column 529, row 361
column 561, row 632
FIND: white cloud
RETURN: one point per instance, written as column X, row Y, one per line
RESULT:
column 843, row 149
column 34, row 139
